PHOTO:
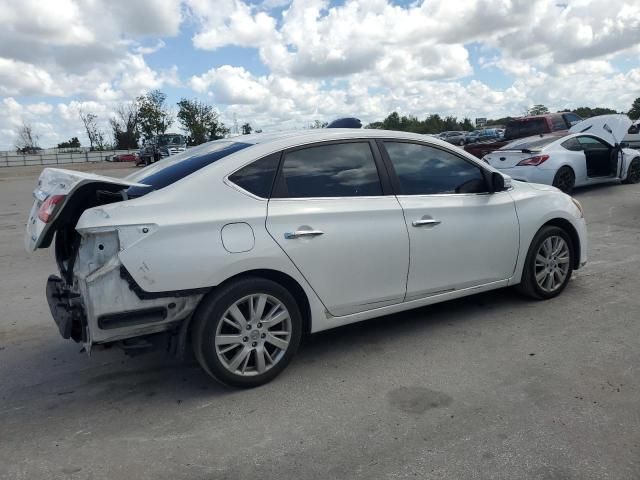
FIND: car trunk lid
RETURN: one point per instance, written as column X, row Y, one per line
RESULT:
column 56, row 190
column 508, row 158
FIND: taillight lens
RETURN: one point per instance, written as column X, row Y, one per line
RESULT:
column 534, row 161
column 48, row 207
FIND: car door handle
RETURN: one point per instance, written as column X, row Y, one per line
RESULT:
column 303, row 233
column 426, row 221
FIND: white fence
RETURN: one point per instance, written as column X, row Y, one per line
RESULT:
column 13, row 159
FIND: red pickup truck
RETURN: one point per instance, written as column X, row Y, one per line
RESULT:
column 526, row 127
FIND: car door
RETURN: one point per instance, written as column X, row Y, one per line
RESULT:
column 459, row 234
column 341, row 225
column 600, row 158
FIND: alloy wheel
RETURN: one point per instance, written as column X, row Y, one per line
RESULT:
column 552, row 263
column 254, row 335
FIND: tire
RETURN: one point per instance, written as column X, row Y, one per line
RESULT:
column 565, row 180
column 633, row 172
column 540, row 289
column 228, row 349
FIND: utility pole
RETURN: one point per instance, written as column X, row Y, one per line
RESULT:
column 236, row 130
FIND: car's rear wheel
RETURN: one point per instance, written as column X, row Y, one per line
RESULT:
column 565, row 180
column 246, row 333
column 549, row 264
column 633, row 173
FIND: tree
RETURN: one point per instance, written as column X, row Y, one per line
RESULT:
column 499, row 121
column 246, row 128
column 538, row 110
column 153, row 115
column 95, row 135
column 27, row 141
column 467, row 125
column 125, row 126
column 73, row 142
column 318, row 124
column 634, row 112
column 586, row 112
column 200, row 121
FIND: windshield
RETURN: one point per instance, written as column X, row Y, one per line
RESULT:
column 531, row 143
column 525, row 128
column 174, row 168
column 170, row 140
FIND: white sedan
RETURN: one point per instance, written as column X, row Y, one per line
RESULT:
column 589, row 155
column 239, row 246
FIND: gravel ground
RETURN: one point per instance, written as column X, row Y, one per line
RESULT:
column 493, row 386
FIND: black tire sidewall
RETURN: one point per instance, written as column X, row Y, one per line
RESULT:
column 209, row 315
column 530, row 282
column 573, row 175
column 635, row 161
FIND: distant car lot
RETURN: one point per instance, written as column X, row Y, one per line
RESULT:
column 486, row 387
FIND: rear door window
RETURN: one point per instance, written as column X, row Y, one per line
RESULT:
column 332, row 170
column 425, row 170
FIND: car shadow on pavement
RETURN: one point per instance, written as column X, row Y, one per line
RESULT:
column 112, row 380
column 396, row 327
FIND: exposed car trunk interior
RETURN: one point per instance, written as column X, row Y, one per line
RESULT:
column 67, row 240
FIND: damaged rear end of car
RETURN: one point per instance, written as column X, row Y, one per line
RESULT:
column 94, row 300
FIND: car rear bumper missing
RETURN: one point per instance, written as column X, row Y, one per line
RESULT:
column 66, row 309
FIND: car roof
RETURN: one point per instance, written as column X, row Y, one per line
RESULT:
column 321, row 134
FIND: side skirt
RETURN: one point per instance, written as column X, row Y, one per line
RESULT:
column 332, row 322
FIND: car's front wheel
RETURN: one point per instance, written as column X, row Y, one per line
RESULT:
column 246, row 333
column 549, row 264
column 633, row 172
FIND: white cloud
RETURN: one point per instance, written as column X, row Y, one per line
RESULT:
column 69, row 47
column 20, row 78
column 230, row 22
column 356, row 57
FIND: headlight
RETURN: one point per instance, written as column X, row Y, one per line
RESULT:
column 579, row 206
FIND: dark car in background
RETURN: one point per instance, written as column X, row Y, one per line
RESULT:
column 454, row 137
column 484, row 135
column 525, row 127
column 161, row 146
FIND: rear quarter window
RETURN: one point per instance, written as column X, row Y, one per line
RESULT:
column 257, row 177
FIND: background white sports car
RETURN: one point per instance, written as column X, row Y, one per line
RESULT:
column 590, row 154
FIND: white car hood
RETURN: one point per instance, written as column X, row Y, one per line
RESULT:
column 611, row 128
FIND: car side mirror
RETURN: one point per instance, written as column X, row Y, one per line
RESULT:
column 497, row 182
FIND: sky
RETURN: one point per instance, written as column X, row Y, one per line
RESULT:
column 281, row 64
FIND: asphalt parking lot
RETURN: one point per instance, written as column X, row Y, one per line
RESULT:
column 493, row 386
